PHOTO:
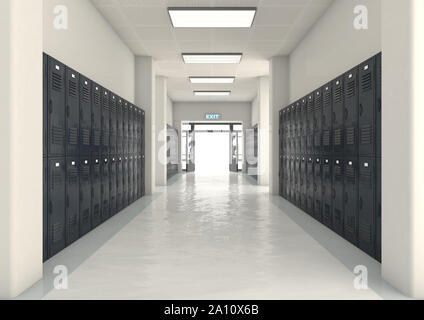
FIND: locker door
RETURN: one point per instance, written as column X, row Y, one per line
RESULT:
column 125, row 182
column 139, row 177
column 281, row 176
column 351, row 200
column 288, row 130
column 327, row 192
column 292, row 180
column 96, row 123
column 105, row 122
column 72, row 112
column 135, row 173
column 120, row 129
column 85, row 116
column 297, row 181
column 338, row 195
column 378, row 105
column 56, row 199
column 351, row 112
column 367, row 205
column 72, row 200
column 136, row 129
column 96, row 192
column 131, row 179
column 105, row 189
column 378, row 210
column 125, row 127
column 45, row 103
column 367, row 79
column 318, row 122
column 281, row 134
column 338, row 117
column 298, row 146
column 327, row 147
column 45, row 209
column 113, row 185
column 143, row 165
column 288, row 178
column 113, row 125
column 303, row 185
column 311, row 129
column 56, row 108
column 85, row 196
column 131, row 130
column 310, row 186
column 120, row 184
column 318, row 189
column 304, row 129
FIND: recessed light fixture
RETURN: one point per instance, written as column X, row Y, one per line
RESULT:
column 212, row 80
column 208, row 17
column 211, row 93
column 212, row 57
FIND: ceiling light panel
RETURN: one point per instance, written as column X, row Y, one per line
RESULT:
column 211, row 93
column 212, row 17
column 215, row 58
column 226, row 80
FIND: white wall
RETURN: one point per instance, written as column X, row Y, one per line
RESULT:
column 161, row 111
column 21, row 141
column 90, row 46
column 170, row 112
column 255, row 111
column 333, row 46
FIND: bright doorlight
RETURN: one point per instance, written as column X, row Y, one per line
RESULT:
column 202, row 17
column 212, row 80
column 212, row 93
column 212, row 57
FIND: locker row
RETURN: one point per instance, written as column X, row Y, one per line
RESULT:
column 80, row 193
column 343, row 117
column 83, row 118
column 342, row 193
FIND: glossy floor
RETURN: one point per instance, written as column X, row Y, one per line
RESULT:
column 212, row 238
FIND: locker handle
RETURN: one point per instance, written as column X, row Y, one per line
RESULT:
column 68, row 111
column 50, row 106
column 361, row 109
column 81, row 196
column 361, row 203
column 67, row 201
column 333, row 193
column 346, row 197
column 346, row 113
column 334, row 116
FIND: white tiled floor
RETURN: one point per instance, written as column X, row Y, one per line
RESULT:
column 212, row 238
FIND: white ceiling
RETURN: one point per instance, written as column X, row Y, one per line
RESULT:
column 144, row 25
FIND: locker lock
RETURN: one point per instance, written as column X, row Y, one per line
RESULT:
column 350, row 163
column 73, row 76
column 73, row 163
column 97, row 160
column 57, row 165
column 350, row 76
column 337, row 162
column 338, row 82
column 366, row 67
column 85, row 82
column 86, row 162
column 57, row 67
column 366, row 165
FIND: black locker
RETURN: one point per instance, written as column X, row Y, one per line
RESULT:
column 287, row 178
column 338, row 117
column 293, row 126
column 298, row 133
column 125, row 111
column 113, row 125
column 351, row 188
column 56, row 108
column 303, row 184
column 130, row 179
column 351, row 112
column 378, row 105
column 96, row 192
column 136, row 129
column 310, row 186
column 113, row 185
column 292, row 179
column 281, row 176
column 366, row 216
column 119, row 184
column 338, row 195
column 72, row 200
column 45, row 209
column 297, row 181
column 72, row 112
column 288, row 130
column 327, row 147
column 304, row 126
column 120, row 128
column 96, row 122
column 378, row 209
column 105, row 122
column 85, row 195
column 318, row 188
column 143, row 164
column 45, row 103
column 56, row 205
column 327, row 177
column 135, row 173
column 318, row 122
column 281, row 135
column 131, row 130
column 367, row 96
column 125, row 181
column 105, row 189
column 139, row 177
column 310, row 125
column 85, row 116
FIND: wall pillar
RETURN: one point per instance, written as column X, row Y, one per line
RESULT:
column 264, row 132
column 161, row 136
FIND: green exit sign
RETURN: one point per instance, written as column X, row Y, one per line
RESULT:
column 213, row 116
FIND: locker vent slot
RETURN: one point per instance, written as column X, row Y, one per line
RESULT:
column 85, row 137
column 73, row 136
column 327, row 98
column 72, row 89
column 326, row 138
column 57, row 135
column 350, row 175
column 96, row 138
column 106, row 104
column 366, row 134
column 56, row 81
column 57, row 232
column 85, row 94
column 350, row 136
column 365, row 234
column 72, row 177
column 310, row 107
column 338, row 95
column 338, row 173
column 366, row 83
column 365, row 177
column 338, row 137
column 73, row 222
column 85, row 174
column 57, row 180
column 97, row 98
column 350, row 89
column 317, row 140
column 318, row 104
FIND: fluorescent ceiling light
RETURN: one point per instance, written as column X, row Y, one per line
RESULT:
column 212, row 93
column 212, row 57
column 212, row 17
column 212, row 79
